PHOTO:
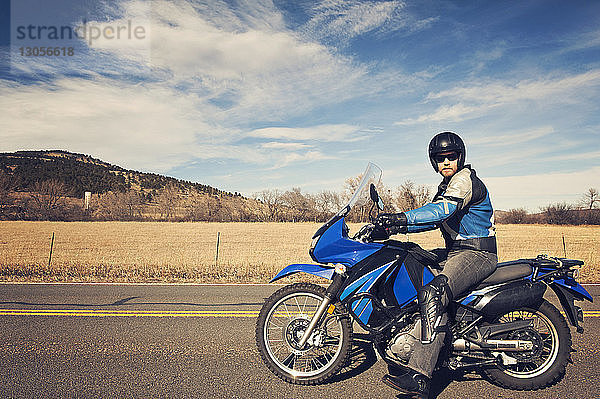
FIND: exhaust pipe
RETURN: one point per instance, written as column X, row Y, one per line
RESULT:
column 507, row 345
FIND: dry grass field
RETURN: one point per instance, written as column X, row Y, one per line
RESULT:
column 248, row 252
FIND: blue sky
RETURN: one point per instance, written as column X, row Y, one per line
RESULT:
column 251, row 95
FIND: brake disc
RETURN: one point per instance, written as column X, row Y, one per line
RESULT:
column 528, row 335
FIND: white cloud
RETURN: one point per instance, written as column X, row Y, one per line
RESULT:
column 523, row 136
column 532, row 191
column 346, row 19
column 243, row 59
column 543, row 89
column 449, row 113
column 321, row 133
column 147, row 127
column 577, row 156
column 476, row 100
column 340, row 21
column 585, row 41
column 284, row 146
column 150, row 127
column 295, row 157
column 247, row 60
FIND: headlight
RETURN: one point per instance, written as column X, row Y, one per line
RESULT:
column 340, row 269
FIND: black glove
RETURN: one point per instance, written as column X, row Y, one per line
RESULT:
column 392, row 222
column 378, row 233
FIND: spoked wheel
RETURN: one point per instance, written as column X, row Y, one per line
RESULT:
column 281, row 324
column 545, row 363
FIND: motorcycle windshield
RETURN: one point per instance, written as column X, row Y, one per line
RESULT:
column 361, row 195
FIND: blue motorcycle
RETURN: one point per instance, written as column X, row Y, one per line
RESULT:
column 504, row 327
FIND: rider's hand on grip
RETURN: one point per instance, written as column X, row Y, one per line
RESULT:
column 391, row 222
column 377, row 233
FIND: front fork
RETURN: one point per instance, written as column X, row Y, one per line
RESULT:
column 330, row 296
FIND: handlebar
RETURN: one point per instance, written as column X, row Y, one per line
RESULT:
column 371, row 232
column 364, row 234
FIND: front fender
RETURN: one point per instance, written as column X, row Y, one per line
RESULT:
column 317, row 270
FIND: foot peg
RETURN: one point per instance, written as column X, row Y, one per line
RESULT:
column 411, row 383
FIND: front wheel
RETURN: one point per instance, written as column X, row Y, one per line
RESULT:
column 543, row 366
column 281, row 324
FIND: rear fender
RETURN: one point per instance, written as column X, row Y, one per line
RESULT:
column 316, row 270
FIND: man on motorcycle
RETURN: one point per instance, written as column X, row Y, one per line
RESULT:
column 462, row 210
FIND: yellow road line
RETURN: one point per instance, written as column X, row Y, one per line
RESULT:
column 128, row 313
column 156, row 313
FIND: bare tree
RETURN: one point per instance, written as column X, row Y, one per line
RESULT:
column 590, row 199
column 300, row 207
column 410, row 196
column 260, row 210
column 6, row 186
column 227, row 209
column 47, row 198
column 194, row 207
column 243, row 209
column 350, row 186
column 132, row 203
column 327, row 203
column 119, row 206
column 167, row 200
column 212, row 204
column 273, row 201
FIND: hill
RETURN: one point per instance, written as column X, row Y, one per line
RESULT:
column 81, row 173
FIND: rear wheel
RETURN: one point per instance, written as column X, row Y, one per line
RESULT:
column 281, row 324
column 546, row 363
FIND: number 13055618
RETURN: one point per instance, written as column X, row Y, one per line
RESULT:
column 46, row 51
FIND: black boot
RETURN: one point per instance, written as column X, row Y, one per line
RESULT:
column 411, row 383
column 432, row 307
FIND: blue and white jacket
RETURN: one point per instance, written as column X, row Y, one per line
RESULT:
column 463, row 211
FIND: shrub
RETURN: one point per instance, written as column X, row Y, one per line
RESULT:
column 559, row 213
column 516, row 216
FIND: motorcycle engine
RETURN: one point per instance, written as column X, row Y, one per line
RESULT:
column 402, row 345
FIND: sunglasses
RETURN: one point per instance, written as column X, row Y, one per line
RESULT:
column 439, row 158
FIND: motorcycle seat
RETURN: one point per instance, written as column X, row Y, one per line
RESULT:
column 507, row 272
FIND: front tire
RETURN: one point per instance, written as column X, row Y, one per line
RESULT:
column 546, row 364
column 280, row 325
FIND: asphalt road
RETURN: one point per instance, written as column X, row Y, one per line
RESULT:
column 71, row 341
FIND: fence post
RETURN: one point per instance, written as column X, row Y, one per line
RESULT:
column 218, row 242
column 51, row 247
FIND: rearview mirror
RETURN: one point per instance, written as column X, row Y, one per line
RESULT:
column 375, row 197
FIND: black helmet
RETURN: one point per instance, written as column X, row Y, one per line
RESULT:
column 447, row 141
